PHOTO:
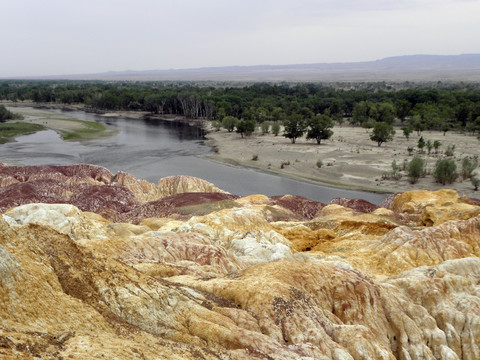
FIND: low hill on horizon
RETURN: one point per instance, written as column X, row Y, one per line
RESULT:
column 465, row 67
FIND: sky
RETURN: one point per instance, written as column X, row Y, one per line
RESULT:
column 62, row 37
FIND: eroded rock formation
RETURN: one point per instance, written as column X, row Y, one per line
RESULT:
column 96, row 265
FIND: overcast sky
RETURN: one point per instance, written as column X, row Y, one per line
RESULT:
column 58, row 37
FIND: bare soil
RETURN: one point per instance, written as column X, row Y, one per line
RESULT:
column 349, row 159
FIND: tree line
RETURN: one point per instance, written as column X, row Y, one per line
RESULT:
column 419, row 107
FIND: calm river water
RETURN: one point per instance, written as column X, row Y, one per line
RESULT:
column 153, row 149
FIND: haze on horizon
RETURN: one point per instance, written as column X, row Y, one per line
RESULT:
column 60, row 37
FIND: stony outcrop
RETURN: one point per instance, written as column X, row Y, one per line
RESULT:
column 96, row 265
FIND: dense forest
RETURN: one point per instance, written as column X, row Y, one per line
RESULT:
column 419, row 106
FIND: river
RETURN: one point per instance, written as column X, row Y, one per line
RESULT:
column 153, row 149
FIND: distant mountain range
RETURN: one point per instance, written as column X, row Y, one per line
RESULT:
column 464, row 67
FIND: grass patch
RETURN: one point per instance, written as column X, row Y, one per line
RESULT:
column 10, row 130
column 90, row 130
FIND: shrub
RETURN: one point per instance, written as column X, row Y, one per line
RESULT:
column 429, row 146
column 415, row 169
column 276, row 129
column 410, row 150
column 445, row 171
column 436, row 145
column 319, row 163
column 395, row 171
column 265, row 127
column 475, row 182
column 450, row 149
column 421, row 144
column 468, row 167
column 255, row 157
column 216, row 125
column 407, row 131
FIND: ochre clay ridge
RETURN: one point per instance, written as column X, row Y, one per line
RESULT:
column 95, row 265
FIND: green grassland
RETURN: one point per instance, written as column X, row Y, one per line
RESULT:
column 10, row 130
column 91, row 130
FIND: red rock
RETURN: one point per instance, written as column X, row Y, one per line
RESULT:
column 299, row 205
column 98, row 198
column 84, row 172
column 39, row 191
column 170, row 205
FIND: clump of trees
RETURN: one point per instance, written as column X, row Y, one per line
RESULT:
column 442, row 107
column 7, row 115
column 316, row 127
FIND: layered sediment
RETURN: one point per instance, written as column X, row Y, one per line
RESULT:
column 97, row 265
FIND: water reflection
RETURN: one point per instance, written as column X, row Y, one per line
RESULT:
column 151, row 149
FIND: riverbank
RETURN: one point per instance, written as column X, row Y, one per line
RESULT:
column 69, row 128
column 348, row 160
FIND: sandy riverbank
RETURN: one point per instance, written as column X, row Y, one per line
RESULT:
column 63, row 124
column 350, row 159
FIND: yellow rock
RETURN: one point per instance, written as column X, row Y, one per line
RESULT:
column 434, row 207
column 238, row 284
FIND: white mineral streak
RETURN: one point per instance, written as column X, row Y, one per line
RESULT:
column 393, row 284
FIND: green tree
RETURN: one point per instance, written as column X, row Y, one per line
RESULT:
column 277, row 114
column 5, row 114
column 382, row 132
column 415, row 169
column 436, row 145
column 421, row 144
column 402, row 109
column 275, row 129
column 335, row 110
column 265, row 127
column 229, row 123
column 407, row 130
column 369, row 124
column 246, row 127
column 220, row 114
column 360, row 113
column 385, row 112
column 294, row 127
column 417, row 124
column 445, row 128
column 320, row 128
column 445, row 171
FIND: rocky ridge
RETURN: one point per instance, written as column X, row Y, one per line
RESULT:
column 96, row 265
